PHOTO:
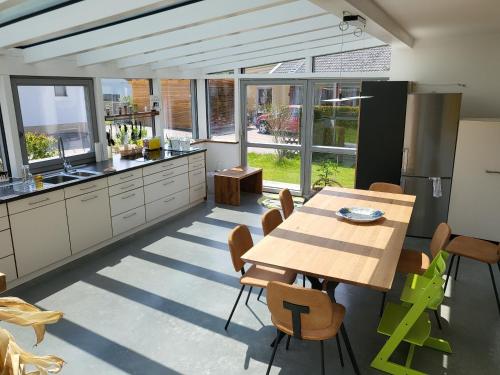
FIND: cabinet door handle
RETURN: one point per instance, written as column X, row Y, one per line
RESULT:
column 130, row 215
column 169, row 200
column 167, row 165
column 127, row 187
column 89, row 198
column 129, row 196
column 38, row 202
column 168, row 174
column 168, row 183
column 88, row 187
column 489, row 171
column 197, row 173
column 127, row 176
column 198, row 189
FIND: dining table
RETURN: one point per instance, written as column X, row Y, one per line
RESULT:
column 316, row 242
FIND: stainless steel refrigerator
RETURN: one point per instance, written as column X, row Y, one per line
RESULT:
column 428, row 154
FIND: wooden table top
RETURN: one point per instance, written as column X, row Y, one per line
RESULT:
column 238, row 172
column 314, row 241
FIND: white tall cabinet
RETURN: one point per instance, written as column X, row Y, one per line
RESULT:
column 475, row 194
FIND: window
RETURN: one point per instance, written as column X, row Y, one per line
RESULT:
column 265, row 96
column 127, row 103
column 220, row 105
column 60, row 91
column 42, row 119
column 285, row 67
column 376, row 59
column 178, row 109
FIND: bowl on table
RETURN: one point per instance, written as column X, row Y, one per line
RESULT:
column 360, row 214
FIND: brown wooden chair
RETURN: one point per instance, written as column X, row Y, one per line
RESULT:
column 385, row 187
column 417, row 262
column 286, row 201
column 270, row 220
column 307, row 314
column 473, row 248
column 240, row 241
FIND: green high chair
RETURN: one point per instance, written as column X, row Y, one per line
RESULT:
column 410, row 322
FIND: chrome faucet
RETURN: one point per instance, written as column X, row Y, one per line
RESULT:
column 62, row 155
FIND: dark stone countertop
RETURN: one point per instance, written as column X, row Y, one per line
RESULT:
column 15, row 189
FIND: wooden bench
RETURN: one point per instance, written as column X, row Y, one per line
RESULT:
column 229, row 183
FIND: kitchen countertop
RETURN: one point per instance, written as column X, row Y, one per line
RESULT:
column 15, row 189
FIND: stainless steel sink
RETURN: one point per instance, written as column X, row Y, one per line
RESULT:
column 59, row 179
column 82, row 173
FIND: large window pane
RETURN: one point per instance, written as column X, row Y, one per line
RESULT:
column 281, row 168
column 274, row 113
column 329, row 169
column 46, row 114
column 125, row 101
column 220, row 105
column 176, row 97
column 335, row 122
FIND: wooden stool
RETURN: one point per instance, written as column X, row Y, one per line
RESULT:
column 229, row 183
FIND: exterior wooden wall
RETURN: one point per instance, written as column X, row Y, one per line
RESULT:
column 176, row 98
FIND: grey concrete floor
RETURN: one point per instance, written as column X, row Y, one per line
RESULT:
column 156, row 303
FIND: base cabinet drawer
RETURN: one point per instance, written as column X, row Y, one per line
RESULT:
column 166, row 205
column 36, row 201
column 40, row 237
column 128, row 220
column 166, row 187
column 169, row 173
column 4, row 223
column 3, row 210
column 197, row 192
column 86, row 187
column 125, row 176
column 197, row 177
column 196, row 158
column 8, row 267
column 126, row 201
column 125, row 186
column 89, row 220
column 5, row 244
column 163, row 166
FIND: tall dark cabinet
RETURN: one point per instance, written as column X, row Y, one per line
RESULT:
column 381, row 132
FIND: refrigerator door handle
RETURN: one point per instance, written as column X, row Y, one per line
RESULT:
column 404, row 164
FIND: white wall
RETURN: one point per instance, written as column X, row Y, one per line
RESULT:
column 438, row 64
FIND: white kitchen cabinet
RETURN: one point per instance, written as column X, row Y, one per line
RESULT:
column 474, row 204
column 5, row 244
column 163, row 166
column 125, row 186
column 89, row 219
column 196, row 158
column 166, row 187
column 40, row 236
column 4, row 223
column 166, row 205
column 128, row 220
column 125, row 176
column 3, row 210
column 197, row 177
column 85, row 187
column 197, row 192
column 126, row 201
column 8, row 267
column 172, row 172
column 38, row 200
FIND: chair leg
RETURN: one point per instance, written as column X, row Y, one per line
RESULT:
column 322, row 357
column 260, row 293
column 340, row 350
column 234, row 307
column 288, row 342
column 384, row 294
column 277, row 340
column 449, row 272
column 438, row 319
column 498, row 264
column 304, row 280
column 494, row 286
column 248, row 296
column 349, row 349
column 456, row 268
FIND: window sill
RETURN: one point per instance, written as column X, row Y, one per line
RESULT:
column 198, row 141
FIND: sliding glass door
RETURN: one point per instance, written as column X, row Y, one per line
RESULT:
column 300, row 133
column 272, row 131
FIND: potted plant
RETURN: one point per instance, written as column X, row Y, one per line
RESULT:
column 326, row 176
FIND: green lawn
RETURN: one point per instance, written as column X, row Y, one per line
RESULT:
column 289, row 170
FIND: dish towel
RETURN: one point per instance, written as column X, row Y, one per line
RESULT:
column 436, row 187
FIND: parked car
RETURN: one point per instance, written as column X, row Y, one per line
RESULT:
column 292, row 126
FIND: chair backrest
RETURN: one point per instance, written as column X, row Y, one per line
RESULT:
column 298, row 309
column 286, row 202
column 440, row 238
column 270, row 220
column 386, row 187
column 239, row 241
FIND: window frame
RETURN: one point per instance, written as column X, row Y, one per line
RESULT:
column 88, row 84
column 207, row 105
column 4, row 153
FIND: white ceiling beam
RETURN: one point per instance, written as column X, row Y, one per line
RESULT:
column 67, row 18
column 379, row 24
column 4, row 4
column 250, row 47
column 160, row 22
column 262, row 33
column 247, row 21
column 359, row 44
